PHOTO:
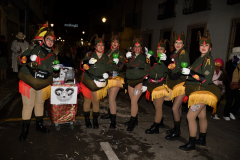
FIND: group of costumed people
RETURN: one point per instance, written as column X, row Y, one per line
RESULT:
column 102, row 75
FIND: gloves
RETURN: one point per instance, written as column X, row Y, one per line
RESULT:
column 186, row 71
column 148, row 55
column 33, row 57
column 163, row 57
column 105, row 75
column 128, row 55
column 56, row 67
column 116, row 60
column 217, row 82
column 144, row 89
column 92, row 61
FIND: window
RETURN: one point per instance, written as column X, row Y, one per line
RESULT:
column 166, row 34
column 231, row 2
column 166, row 10
column 234, row 40
column 194, row 6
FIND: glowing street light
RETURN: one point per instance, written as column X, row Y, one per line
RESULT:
column 81, row 39
column 63, row 40
column 83, row 32
column 59, row 38
column 51, row 24
column 104, row 19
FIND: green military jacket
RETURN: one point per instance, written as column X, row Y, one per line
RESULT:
column 113, row 66
column 46, row 60
column 205, row 66
column 179, row 57
column 158, row 71
column 96, row 70
column 140, row 62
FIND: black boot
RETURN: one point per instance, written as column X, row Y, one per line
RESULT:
column 190, row 145
column 106, row 116
column 23, row 136
column 170, row 131
column 175, row 134
column 154, row 129
column 131, row 124
column 113, row 121
column 40, row 127
column 202, row 139
column 95, row 122
column 87, row 121
column 136, row 122
column 161, row 125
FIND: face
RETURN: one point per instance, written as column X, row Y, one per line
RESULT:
column 204, row 48
column 49, row 40
column 171, row 48
column 178, row 45
column 161, row 50
column 100, row 47
column 115, row 44
column 137, row 48
column 217, row 67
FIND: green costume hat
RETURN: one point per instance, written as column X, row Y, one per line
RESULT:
column 99, row 40
column 162, row 43
column 204, row 40
column 115, row 37
column 178, row 37
column 137, row 40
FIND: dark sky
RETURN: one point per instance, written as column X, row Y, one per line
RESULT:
column 77, row 8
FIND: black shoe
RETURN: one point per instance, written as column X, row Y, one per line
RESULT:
column 88, row 122
column 127, row 123
column 113, row 122
column 175, row 134
column 154, row 129
column 189, row 146
column 106, row 116
column 201, row 141
column 161, row 125
column 40, row 127
column 23, row 136
column 170, row 131
column 131, row 125
column 95, row 122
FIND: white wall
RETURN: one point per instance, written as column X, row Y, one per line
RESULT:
column 218, row 18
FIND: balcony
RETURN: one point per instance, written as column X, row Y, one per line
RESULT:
column 166, row 10
column 232, row 2
column 195, row 6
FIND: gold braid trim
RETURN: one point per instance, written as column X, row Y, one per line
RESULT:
column 204, row 97
column 162, row 91
column 115, row 82
column 178, row 90
column 207, row 63
column 46, row 92
column 102, row 93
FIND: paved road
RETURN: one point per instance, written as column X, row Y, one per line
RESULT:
column 223, row 138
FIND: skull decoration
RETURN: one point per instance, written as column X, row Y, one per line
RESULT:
column 64, row 95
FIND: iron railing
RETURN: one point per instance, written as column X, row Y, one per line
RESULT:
column 166, row 10
column 232, row 2
column 194, row 6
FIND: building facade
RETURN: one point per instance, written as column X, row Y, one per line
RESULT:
column 221, row 17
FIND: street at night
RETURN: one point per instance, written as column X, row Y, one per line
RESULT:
column 119, row 80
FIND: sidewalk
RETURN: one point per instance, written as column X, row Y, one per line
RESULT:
column 8, row 88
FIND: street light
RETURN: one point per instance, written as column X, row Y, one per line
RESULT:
column 51, row 24
column 63, row 40
column 81, row 39
column 59, row 37
column 104, row 19
column 83, row 32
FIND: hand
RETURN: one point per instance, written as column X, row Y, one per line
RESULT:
column 186, row 71
column 116, row 60
column 148, row 55
column 217, row 82
column 163, row 57
column 128, row 55
column 33, row 57
column 144, row 89
column 56, row 67
column 105, row 75
column 92, row 61
column 146, row 50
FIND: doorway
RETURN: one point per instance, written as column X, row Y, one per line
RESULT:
column 147, row 39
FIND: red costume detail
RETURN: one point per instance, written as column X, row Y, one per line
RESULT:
column 185, row 99
column 219, row 60
column 85, row 91
column 204, row 43
column 41, row 44
column 24, row 89
column 111, row 47
column 137, row 42
column 179, row 39
column 148, row 95
column 38, row 60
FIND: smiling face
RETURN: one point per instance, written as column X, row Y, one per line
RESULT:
column 137, row 48
column 99, row 47
column 204, row 48
column 161, row 50
column 178, row 45
column 49, row 41
column 115, row 44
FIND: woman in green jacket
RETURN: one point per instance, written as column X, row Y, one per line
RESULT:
column 175, row 81
column 201, row 92
column 157, row 88
column 116, row 81
column 94, row 81
column 36, row 76
column 136, row 79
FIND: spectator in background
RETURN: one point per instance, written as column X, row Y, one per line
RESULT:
column 171, row 49
column 233, row 73
column 18, row 46
column 218, row 79
column 66, row 58
column 3, row 58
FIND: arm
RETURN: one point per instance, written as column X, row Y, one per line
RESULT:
column 152, row 60
column 25, row 55
column 13, row 48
